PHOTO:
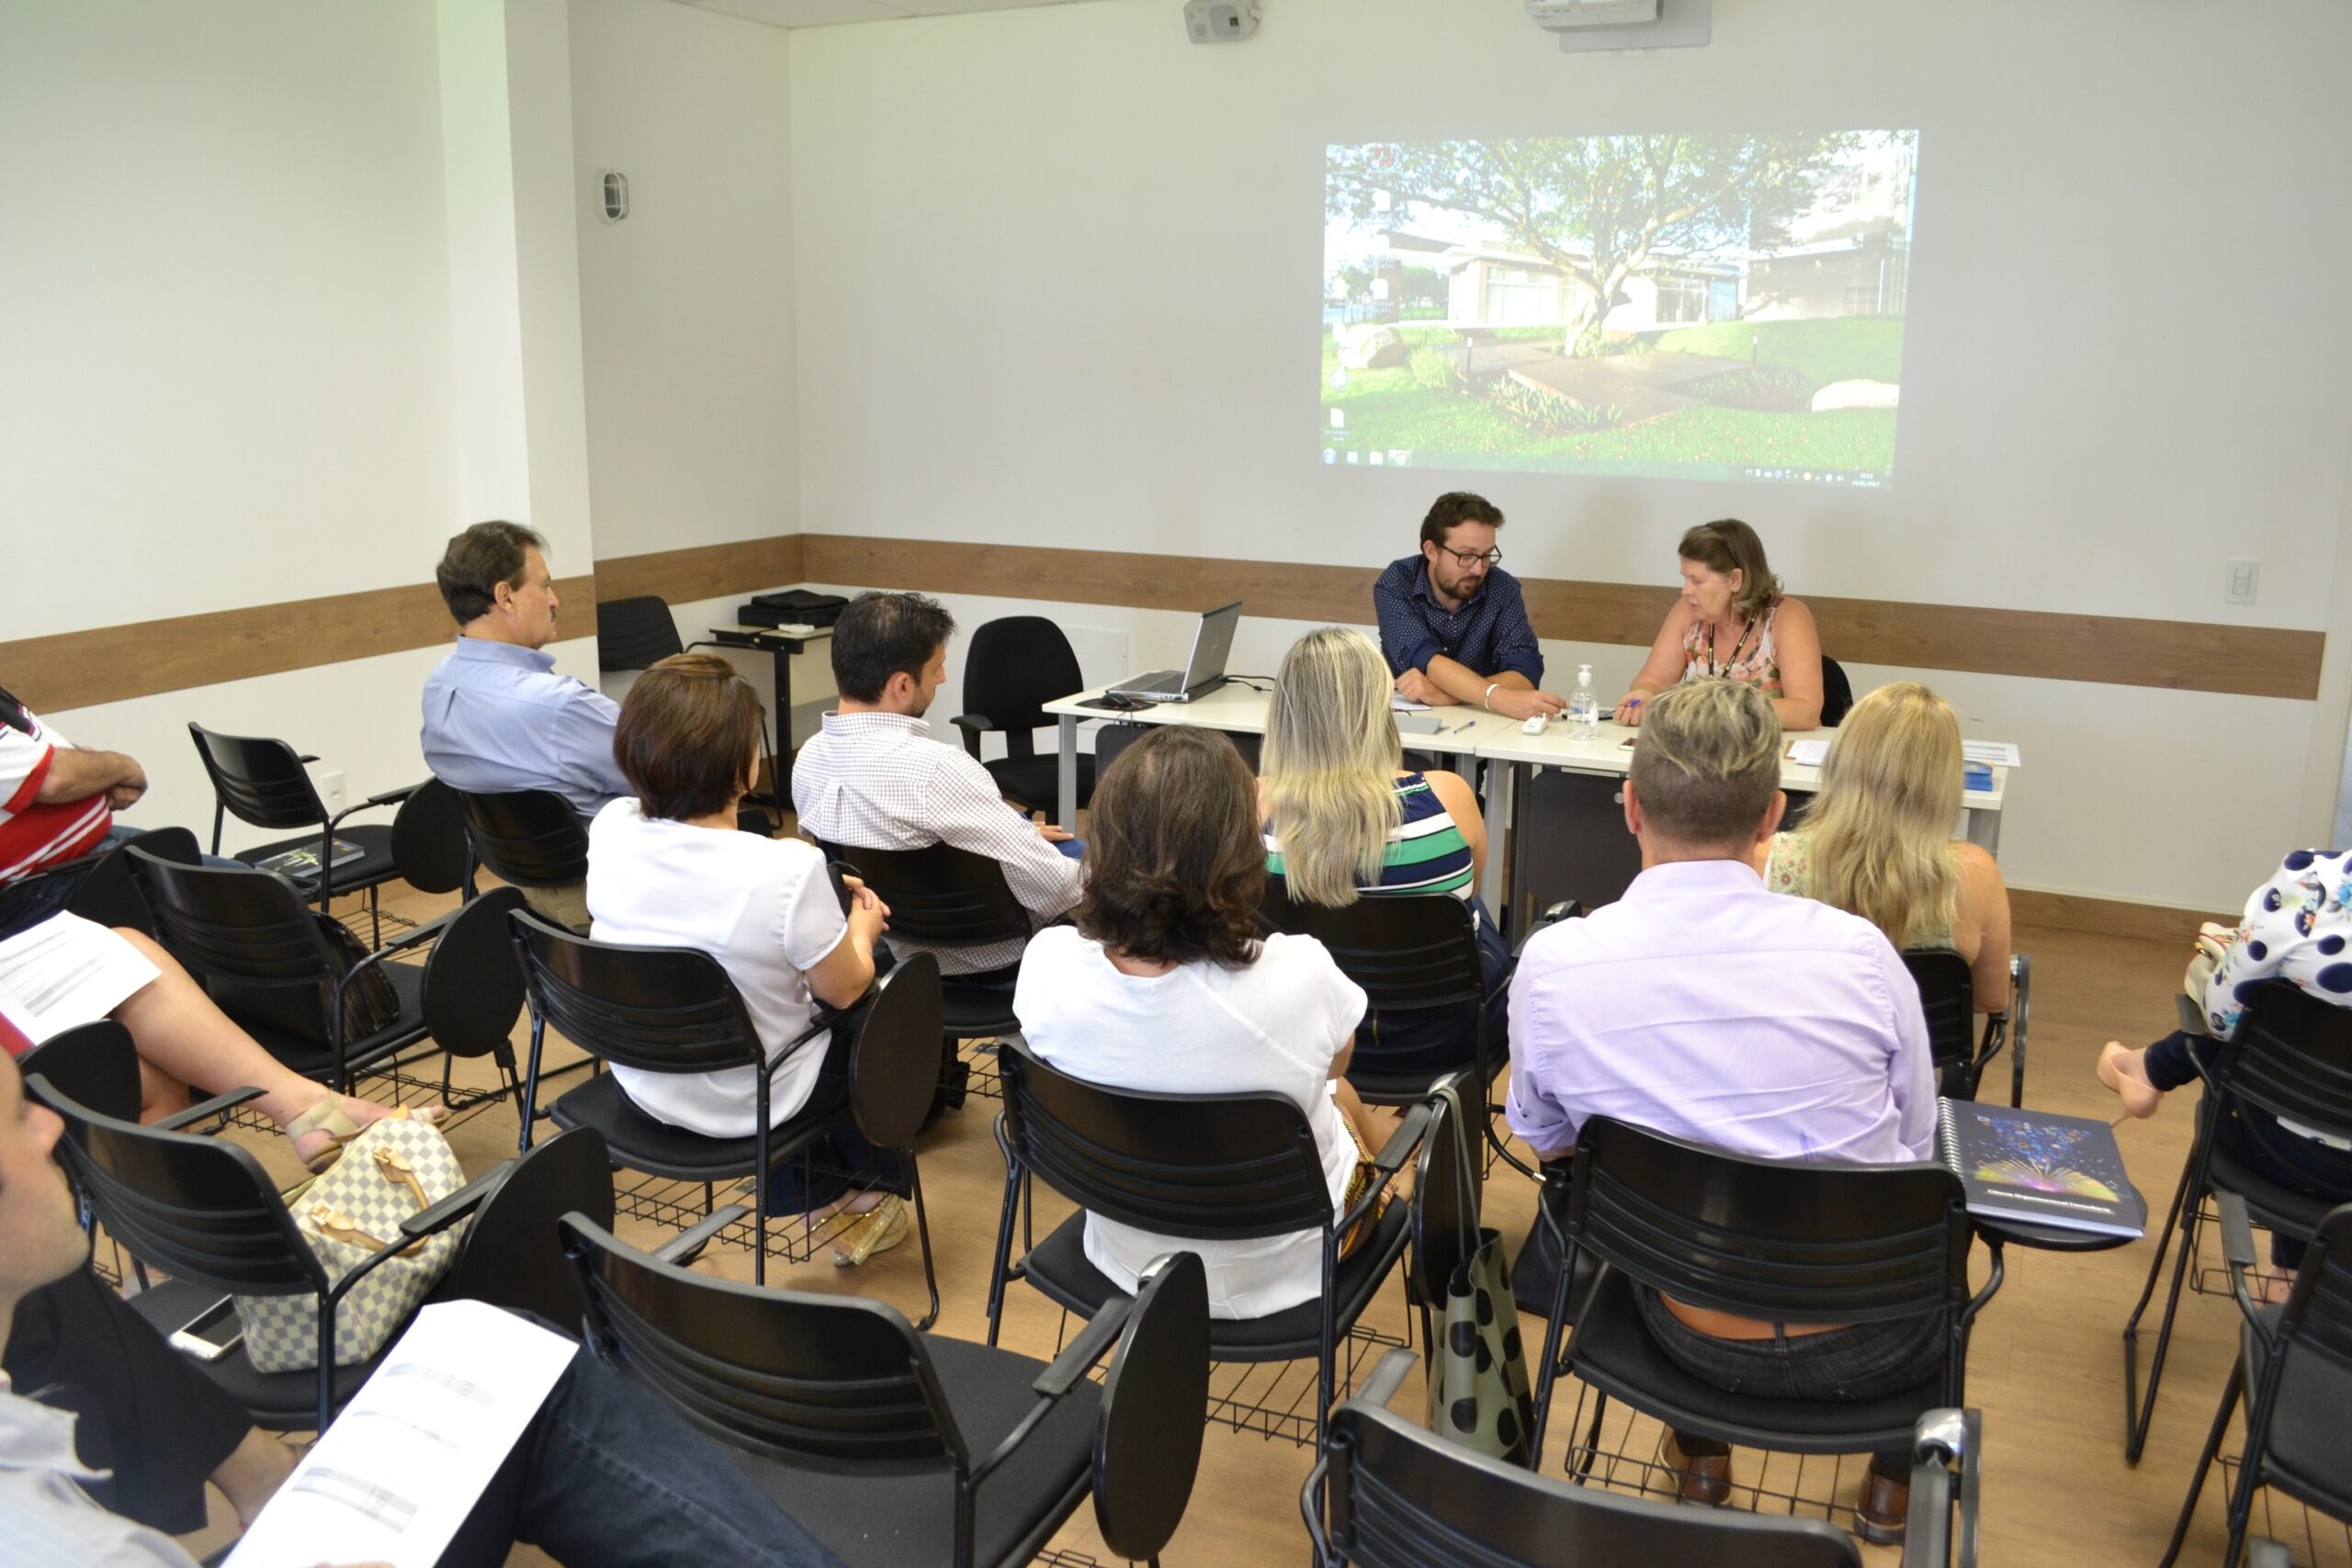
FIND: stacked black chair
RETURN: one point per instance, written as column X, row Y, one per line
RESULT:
column 204, row 1211
column 946, row 898
column 526, row 838
column 895, row 1447
column 1208, row 1167
column 2294, row 1370
column 2292, row 1057
column 1014, row 666
column 262, row 781
column 267, row 961
column 673, row 1010
column 1783, row 1242
column 1388, row 1493
column 634, row 634
column 1947, row 998
column 1415, row 954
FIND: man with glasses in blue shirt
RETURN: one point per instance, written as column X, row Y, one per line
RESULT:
column 1453, row 624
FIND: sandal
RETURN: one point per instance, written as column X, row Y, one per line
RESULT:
column 878, row 1229
column 328, row 1116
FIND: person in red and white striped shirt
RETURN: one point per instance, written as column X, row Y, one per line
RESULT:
column 57, row 802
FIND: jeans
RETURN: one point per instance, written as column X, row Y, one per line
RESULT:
column 607, row 1475
column 1864, row 1361
column 2253, row 1137
column 843, row 1159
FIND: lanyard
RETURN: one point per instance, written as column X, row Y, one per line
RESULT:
column 1733, row 662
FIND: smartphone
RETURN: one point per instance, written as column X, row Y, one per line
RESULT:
column 211, row 1334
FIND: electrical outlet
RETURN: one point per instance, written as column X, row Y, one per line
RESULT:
column 2238, row 584
column 329, row 783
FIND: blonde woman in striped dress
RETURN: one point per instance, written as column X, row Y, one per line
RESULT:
column 1345, row 819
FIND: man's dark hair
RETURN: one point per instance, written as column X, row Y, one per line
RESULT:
column 1457, row 506
column 1175, row 865
column 685, row 737
column 881, row 634
column 477, row 561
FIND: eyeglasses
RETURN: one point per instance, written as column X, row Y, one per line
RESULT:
column 1467, row 559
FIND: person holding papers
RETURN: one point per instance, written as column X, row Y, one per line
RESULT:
column 2296, row 928
column 1878, row 841
column 1453, row 624
column 1734, row 622
column 603, row 1475
column 1702, row 1007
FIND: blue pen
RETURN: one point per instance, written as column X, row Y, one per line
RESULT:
column 1463, row 725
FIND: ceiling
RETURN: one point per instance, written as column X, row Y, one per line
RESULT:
column 827, row 13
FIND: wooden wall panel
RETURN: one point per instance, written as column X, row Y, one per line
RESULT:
column 2262, row 661
column 77, row 669
column 705, row 571
column 108, row 664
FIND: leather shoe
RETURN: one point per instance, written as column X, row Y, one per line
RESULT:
column 1705, row 1479
column 1886, row 1507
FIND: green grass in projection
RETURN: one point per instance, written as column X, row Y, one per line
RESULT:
column 1415, row 407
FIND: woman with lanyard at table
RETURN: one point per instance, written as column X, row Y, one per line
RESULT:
column 1734, row 623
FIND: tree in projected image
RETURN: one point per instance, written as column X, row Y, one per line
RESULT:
column 1601, row 209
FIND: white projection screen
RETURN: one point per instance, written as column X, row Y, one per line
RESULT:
column 1752, row 328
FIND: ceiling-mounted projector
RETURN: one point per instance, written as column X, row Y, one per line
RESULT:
column 1562, row 15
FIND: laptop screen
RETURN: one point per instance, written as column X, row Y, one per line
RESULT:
column 1211, row 644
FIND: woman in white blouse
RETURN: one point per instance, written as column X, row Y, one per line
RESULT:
column 1163, row 985
column 670, row 869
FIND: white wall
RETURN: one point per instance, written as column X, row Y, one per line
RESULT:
column 687, row 307
column 227, row 378
column 1057, row 274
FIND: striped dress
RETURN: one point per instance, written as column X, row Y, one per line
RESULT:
column 1426, row 852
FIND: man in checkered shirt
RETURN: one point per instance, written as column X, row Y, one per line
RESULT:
column 876, row 779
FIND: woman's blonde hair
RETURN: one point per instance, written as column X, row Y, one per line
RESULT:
column 1880, row 833
column 1331, row 762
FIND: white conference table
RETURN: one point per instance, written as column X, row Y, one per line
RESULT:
column 1467, row 736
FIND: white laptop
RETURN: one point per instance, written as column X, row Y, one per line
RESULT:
column 1202, row 673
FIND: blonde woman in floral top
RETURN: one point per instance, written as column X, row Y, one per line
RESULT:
column 1878, row 840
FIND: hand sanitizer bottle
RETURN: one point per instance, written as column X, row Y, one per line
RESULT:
column 1584, row 705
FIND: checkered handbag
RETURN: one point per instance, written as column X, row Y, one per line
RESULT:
column 392, row 1171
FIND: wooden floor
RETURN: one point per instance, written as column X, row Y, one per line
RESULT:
column 2046, row 1366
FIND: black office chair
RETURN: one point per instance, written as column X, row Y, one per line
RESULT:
column 634, row 634
column 262, row 781
column 511, row 1254
column 102, row 888
column 673, row 1010
column 895, row 1446
column 1837, row 693
column 526, row 838
column 1212, row 1166
column 1410, row 954
column 268, row 963
column 2292, row 1057
column 205, row 1212
column 1785, row 1242
column 1397, row 1496
column 944, row 896
column 2294, row 1369
column 1947, row 998
column 1015, row 666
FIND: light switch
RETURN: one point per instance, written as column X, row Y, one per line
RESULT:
column 2243, row 577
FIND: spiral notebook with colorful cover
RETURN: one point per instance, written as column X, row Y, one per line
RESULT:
column 2040, row 1166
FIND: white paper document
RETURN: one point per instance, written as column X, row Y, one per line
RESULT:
column 1808, row 753
column 398, row 1472
column 1405, row 704
column 1999, row 753
column 65, row 972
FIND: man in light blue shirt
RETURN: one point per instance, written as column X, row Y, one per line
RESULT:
column 497, row 716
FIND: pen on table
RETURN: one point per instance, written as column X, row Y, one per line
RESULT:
column 1463, row 725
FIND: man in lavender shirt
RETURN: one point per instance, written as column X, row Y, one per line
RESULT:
column 1702, row 1006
